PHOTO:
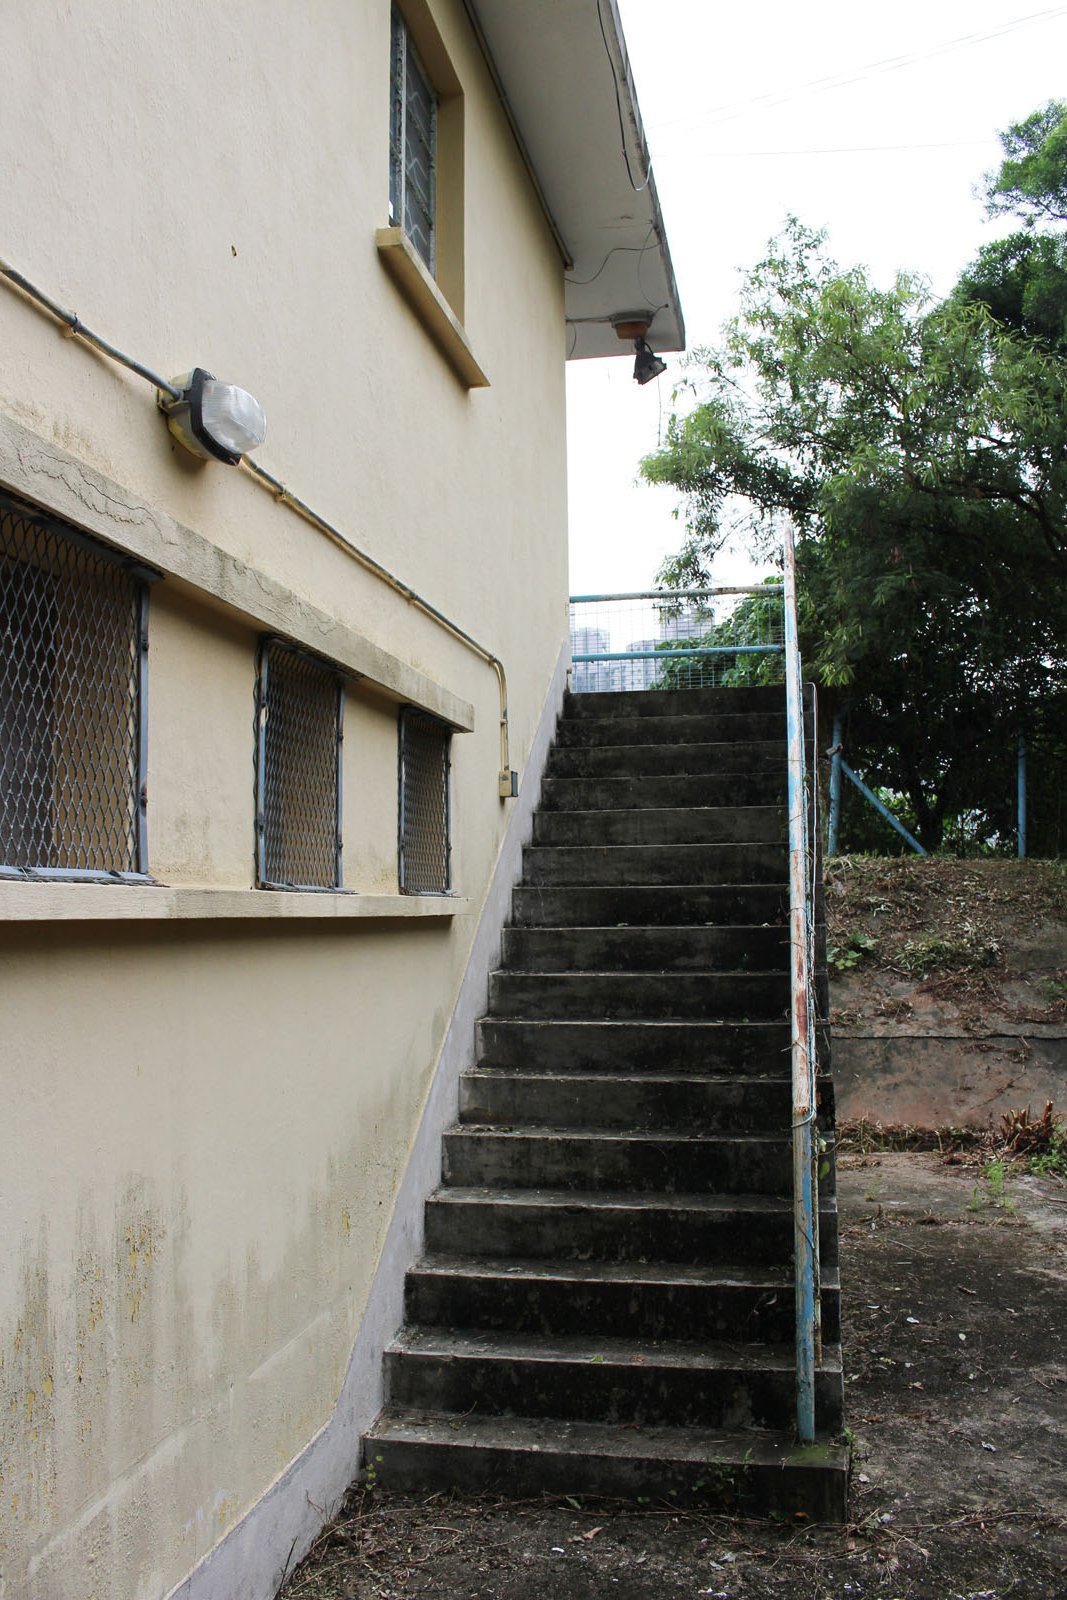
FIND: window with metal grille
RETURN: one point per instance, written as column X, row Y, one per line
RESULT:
column 73, row 692
column 299, row 723
column 425, row 812
column 412, row 145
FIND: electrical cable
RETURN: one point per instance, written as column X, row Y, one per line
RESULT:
column 280, row 493
column 737, row 108
column 616, row 250
column 76, row 327
column 826, row 150
column 634, row 185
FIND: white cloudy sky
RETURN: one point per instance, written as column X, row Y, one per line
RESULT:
column 872, row 121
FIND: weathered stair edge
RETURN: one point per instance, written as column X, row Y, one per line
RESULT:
column 717, row 1469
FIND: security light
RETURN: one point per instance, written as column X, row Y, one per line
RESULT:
column 217, row 421
column 647, row 364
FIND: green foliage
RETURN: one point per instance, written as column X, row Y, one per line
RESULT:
column 969, row 950
column 757, row 620
column 920, row 450
column 1022, row 280
column 1041, row 1140
column 995, row 1176
column 1032, row 180
column 843, row 957
column 1052, row 1162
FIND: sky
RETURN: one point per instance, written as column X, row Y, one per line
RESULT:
column 873, row 122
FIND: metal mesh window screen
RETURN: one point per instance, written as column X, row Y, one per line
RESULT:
column 425, row 820
column 412, row 144
column 72, row 637
column 298, row 770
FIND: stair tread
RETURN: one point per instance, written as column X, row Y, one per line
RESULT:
column 690, row 973
column 673, row 744
column 624, row 1199
column 653, row 1136
column 540, row 1270
column 710, row 1355
column 679, row 928
column 762, row 846
column 764, row 807
column 714, row 1079
column 763, row 1447
column 718, row 1024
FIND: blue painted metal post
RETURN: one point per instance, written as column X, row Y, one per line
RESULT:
column 834, row 822
column 882, row 810
column 805, row 1200
column 1021, row 795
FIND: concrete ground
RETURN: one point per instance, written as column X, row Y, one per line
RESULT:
column 955, row 1295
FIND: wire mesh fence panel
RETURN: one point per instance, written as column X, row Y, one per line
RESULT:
column 298, row 767
column 677, row 639
column 72, row 631
column 425, row 822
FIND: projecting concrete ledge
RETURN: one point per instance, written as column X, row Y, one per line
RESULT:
column 122, row 902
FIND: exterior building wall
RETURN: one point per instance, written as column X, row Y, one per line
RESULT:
column 209, row 1112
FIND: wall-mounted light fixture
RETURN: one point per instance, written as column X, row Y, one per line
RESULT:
column 634, row 325
column 217, row 421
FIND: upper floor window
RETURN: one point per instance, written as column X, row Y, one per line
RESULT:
column 73, row 645
column 412, row 146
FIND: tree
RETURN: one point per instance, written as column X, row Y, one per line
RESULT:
column 1032, row 180
column 1023, row 279
column 921, row 451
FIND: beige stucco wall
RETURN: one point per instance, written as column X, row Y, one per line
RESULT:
column 205, row 1124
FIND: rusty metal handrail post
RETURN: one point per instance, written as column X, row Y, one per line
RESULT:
column 805, row 1192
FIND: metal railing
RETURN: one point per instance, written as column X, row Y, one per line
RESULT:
column 802, row 872
column 677, row 638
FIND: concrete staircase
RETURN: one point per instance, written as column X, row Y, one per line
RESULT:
column 605, row 1304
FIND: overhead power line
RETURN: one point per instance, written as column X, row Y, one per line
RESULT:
column 850, row 75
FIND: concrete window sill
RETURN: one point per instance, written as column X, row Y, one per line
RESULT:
column 408, row 271
column 107, row 902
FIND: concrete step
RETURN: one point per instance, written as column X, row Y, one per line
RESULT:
column 632, row 1299
column 570, row 1225
column 721, row 727
column 594, row 1377
column 676, row 703
column 742, row 1470
column 683, row 1101
column 651, row 905
column 654, row 760
column 639, row 996
column 656, row 825
column 663, row 791
column 711, row 1047
column 655, row 1162
column 624, row 865
column 674, row 949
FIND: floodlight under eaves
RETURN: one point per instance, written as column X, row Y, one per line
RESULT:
column 217, row 421
column 647, row 364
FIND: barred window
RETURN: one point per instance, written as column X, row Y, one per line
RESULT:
column 73, row 690
column 412, row 145
column 299, row 729
column 425, row 810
